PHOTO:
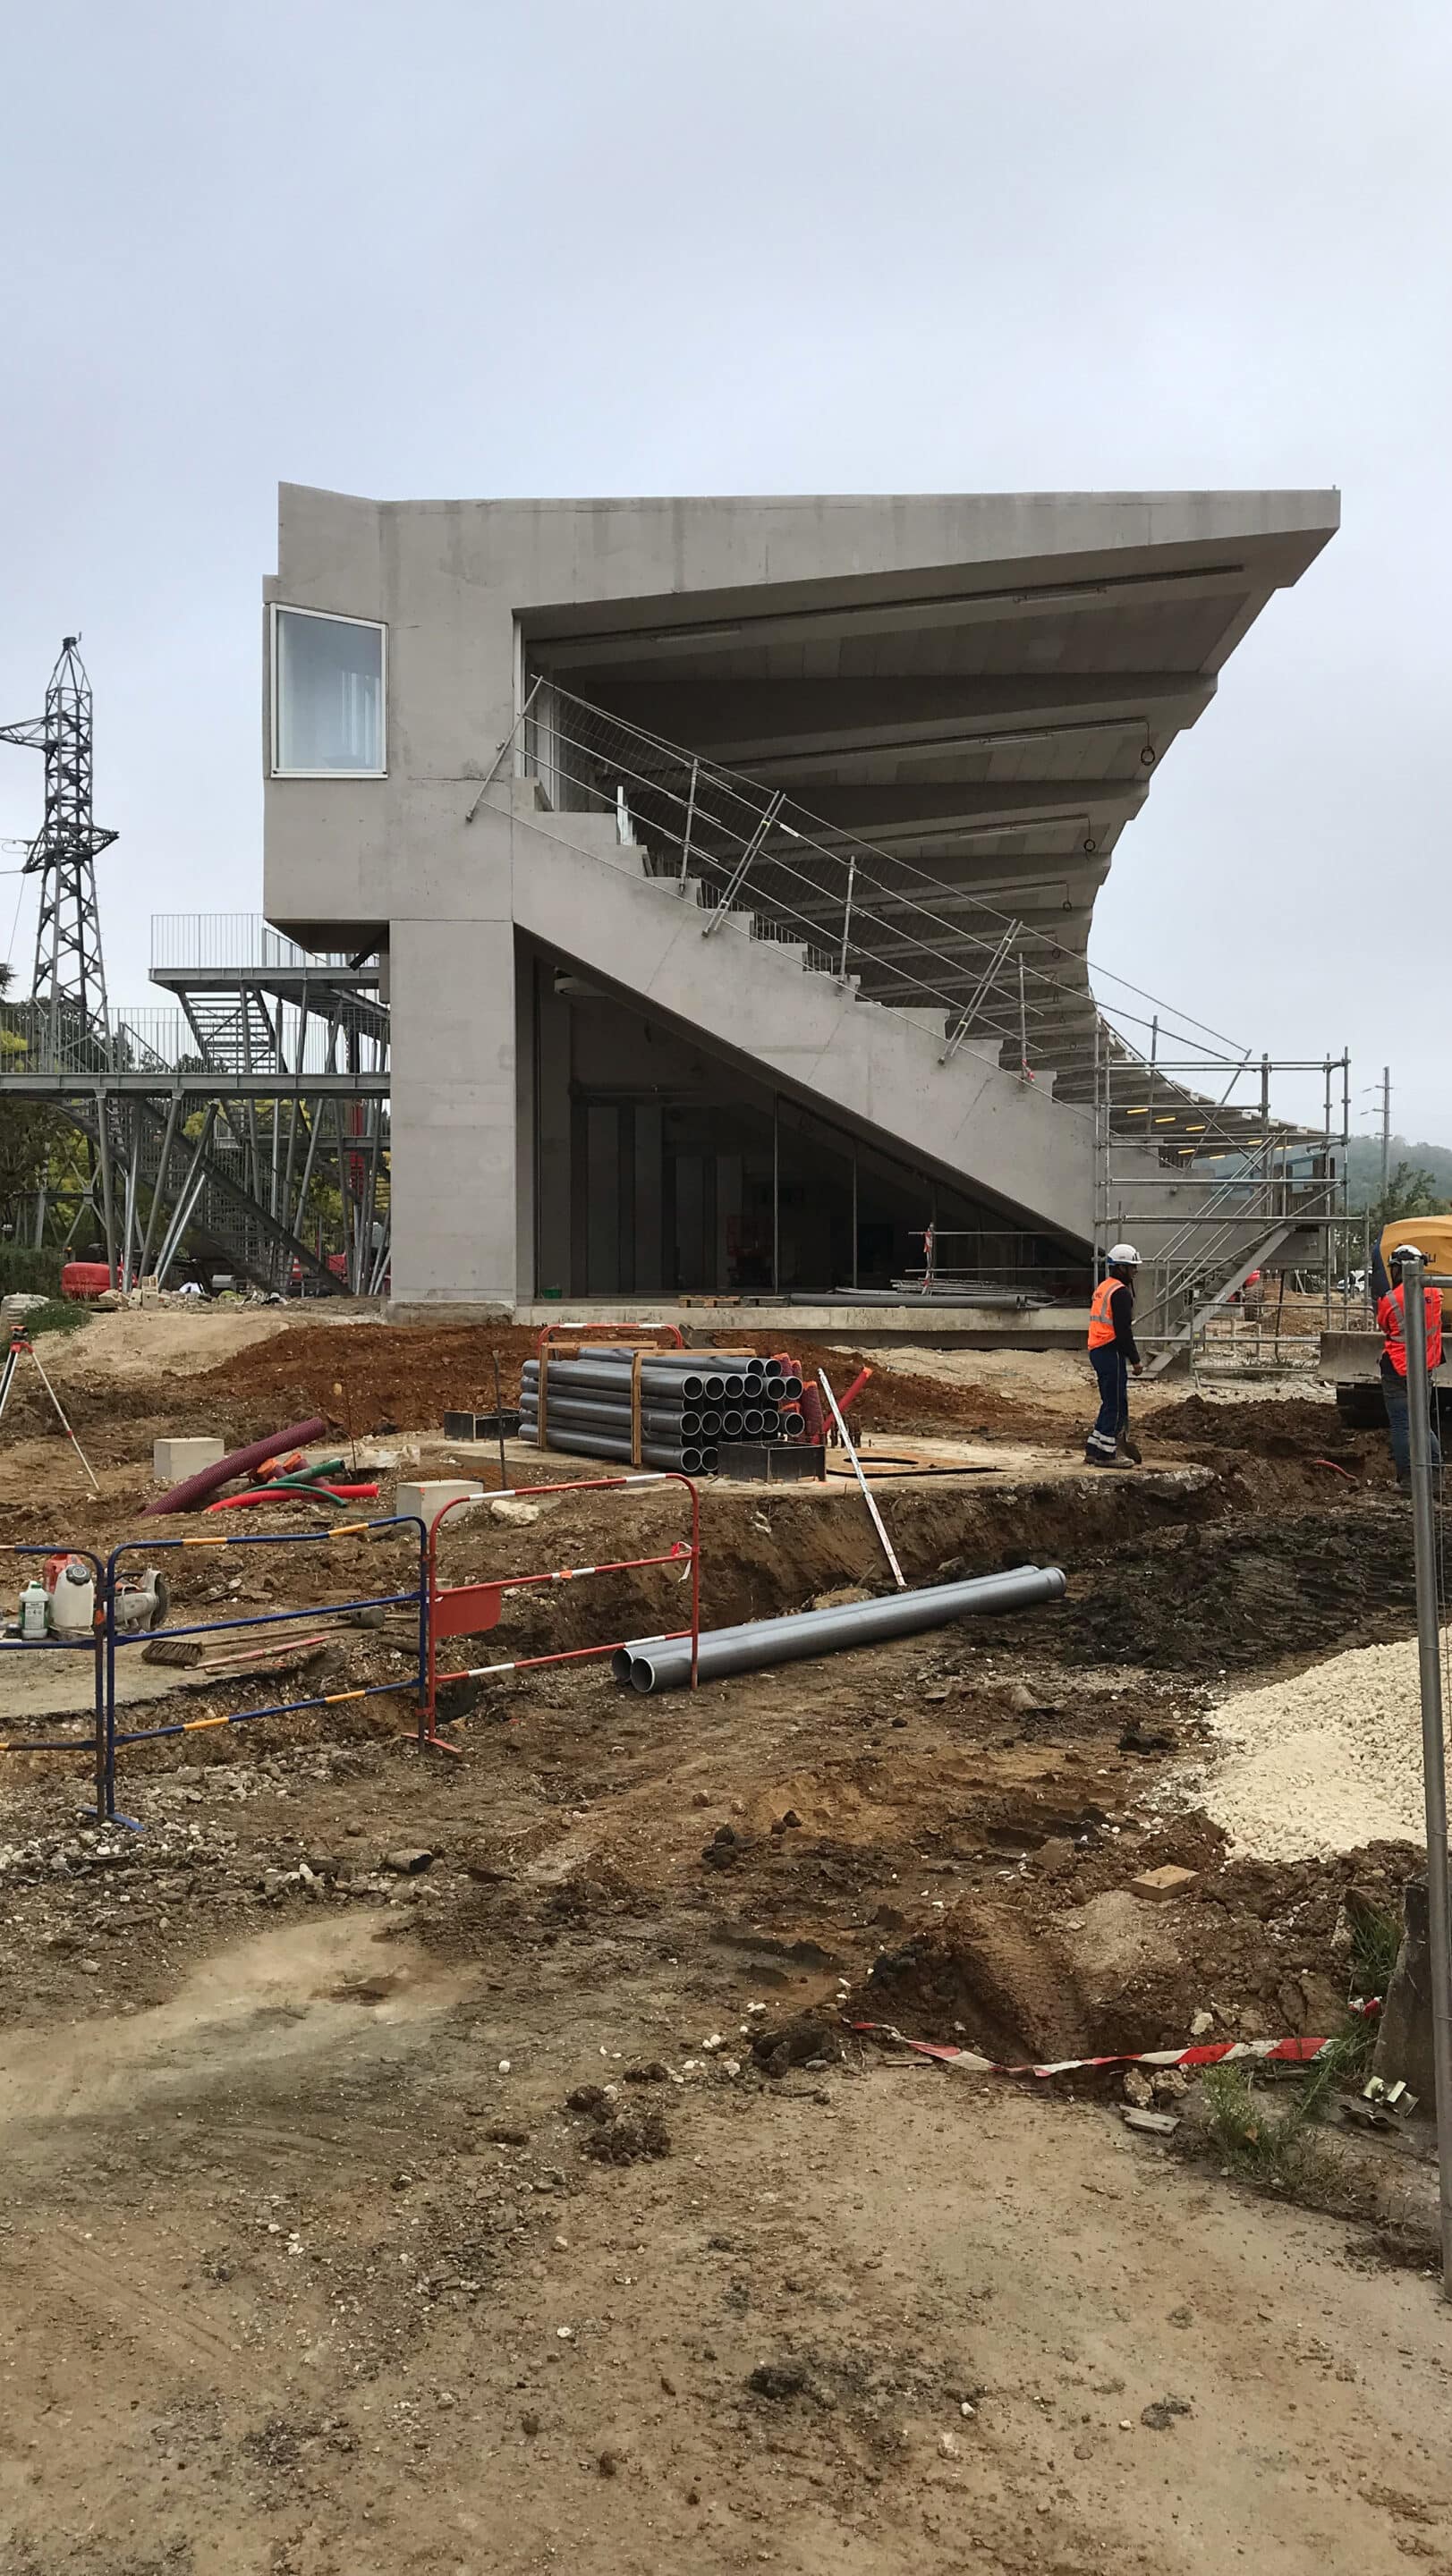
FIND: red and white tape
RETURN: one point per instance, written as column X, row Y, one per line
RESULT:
column 966, row 2061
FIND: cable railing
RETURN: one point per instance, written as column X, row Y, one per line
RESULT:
column 849, row 899
column 905, row 937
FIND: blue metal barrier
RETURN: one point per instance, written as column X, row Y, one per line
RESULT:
column 109, row 1739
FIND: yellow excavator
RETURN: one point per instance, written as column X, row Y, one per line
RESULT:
column 1352, row 1361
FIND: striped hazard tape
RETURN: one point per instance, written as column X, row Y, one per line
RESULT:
column 966, row 2061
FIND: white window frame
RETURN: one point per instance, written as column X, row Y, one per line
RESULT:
column 333, row 617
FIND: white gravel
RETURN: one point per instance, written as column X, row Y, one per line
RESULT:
column 1321, row 1764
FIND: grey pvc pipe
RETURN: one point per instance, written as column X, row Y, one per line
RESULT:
column 724, row 1372
column 577, row 1415
column 661, row 1663
column 600, row 1444
column 731, row 1424
column 752, row 1422
column 672, row 1363
column 609, row 1377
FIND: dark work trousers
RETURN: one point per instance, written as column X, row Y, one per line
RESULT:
column 1112, row 1370
column 1394, row 1390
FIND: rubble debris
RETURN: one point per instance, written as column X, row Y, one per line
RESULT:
column 628, row 2138
column 796, row 2043
column 1161, row 2414
column 778, row 2379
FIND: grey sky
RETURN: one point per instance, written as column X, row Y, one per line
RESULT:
column 410, row 247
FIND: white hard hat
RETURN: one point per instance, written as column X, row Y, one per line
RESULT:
column 1122, row 1256
column 1405, row 1251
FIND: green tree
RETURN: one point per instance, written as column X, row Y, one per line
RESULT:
column 1410, row 1191
column 29, row 1131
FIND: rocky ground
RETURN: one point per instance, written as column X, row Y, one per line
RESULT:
column 433, row 2164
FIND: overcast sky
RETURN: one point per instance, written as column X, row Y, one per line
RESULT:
column 416, row 247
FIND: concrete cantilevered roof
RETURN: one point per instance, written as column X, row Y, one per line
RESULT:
column 979, row 687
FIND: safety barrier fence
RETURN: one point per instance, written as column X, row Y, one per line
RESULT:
column 472, row 1609
column 444, row 1612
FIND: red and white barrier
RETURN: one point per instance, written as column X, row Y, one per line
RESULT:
column 966, row 2061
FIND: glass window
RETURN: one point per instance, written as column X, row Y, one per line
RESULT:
column 327, row 676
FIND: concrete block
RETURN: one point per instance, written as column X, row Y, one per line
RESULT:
column 429, row 1499
column 171, row 1460
column 1157, row 1886
column 1153, row 2124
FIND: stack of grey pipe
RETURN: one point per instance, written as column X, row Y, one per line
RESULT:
column 688, row 1401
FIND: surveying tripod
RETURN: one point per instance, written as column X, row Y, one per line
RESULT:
column 21, row 1347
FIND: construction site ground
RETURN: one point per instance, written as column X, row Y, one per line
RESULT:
column 435, row 2164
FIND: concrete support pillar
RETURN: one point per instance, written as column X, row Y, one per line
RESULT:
column 454, row 1113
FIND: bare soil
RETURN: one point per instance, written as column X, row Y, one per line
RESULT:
column 534, row 2201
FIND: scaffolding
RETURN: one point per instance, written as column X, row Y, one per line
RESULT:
column 1270, row 1195
column 248, row 1118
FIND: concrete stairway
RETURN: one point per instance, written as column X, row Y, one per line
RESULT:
column 774, row 1004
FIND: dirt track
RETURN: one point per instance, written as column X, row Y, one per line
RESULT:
column 307, row 2265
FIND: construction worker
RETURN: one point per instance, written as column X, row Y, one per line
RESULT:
column 1391, row 1314
column 1114, row 1358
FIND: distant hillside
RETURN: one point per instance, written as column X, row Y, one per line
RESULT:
column 1363, row 1167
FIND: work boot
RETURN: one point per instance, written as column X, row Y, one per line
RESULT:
column 1092, row 1458
column 1131, row 1450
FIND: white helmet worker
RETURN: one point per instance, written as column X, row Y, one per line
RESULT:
column 1122, row 1256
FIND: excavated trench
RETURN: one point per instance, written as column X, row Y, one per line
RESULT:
column 1034, row 1946
column 1238, row 1593
column 1160, row 1576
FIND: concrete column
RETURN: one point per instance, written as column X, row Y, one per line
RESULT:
column 454, row 1117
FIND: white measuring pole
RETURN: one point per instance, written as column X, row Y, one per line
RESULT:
column 1434, row 1773
column 898, row 1576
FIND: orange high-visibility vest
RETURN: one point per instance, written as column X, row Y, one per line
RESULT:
column 1391, row 1314
column 1101, row 1314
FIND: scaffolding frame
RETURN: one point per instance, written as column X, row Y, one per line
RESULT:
column 1284, row 1181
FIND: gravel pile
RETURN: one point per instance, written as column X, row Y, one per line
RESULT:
column 1321, row 1764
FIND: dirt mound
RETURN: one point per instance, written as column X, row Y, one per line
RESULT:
column 896, row 1400
column 409, row 1375
column 1295, row 1429
column 399, row 1376
column 405, row 1377
column 1231, row 1594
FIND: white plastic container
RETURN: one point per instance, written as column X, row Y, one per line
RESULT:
column 34, row 1609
